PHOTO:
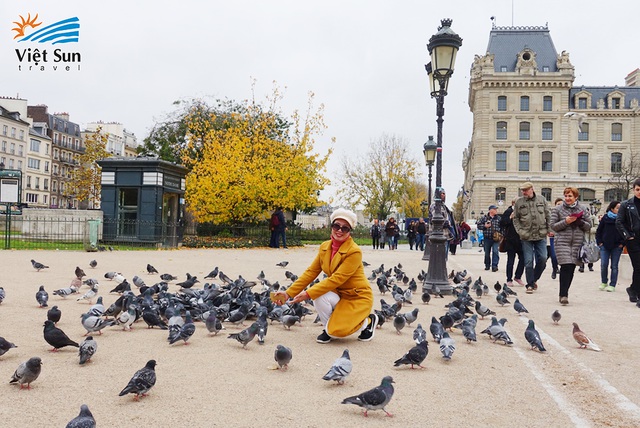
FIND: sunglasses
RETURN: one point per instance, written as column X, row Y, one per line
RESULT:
column 337, row 227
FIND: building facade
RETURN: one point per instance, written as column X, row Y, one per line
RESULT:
column 14, row 132
column 520, row 94
column 120, row 141
column 37, row 174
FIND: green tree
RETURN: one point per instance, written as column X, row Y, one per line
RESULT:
column 85, row 180
column 379, row 179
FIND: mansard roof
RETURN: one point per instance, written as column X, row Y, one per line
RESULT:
column 601, row 92
column 506, row 42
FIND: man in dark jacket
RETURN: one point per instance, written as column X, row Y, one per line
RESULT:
column 421, row 231
column 628, row 224
column 512, row 245
column 490, row 226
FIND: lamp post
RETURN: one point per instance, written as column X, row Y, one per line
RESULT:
column 429, row 150
column 443, row 47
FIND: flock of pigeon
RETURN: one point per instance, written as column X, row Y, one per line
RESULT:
column 232, row 302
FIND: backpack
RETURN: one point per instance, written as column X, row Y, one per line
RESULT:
column 275, row 222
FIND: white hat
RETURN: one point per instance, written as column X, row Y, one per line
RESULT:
column 347, row 215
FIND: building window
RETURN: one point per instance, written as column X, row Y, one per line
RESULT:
column 524, row 103
column 54, row 186
column 37, row 182
column 4, row 146
column 502, row 103
column 13, row 132
column 501, row 131
column 503, row 68
column 127, row 211
column 10, row 163
column 583, row 132
column 525, row 130
column 34, row 146
column 12, row 148
column 33, row 163
column 547, row 161
column 22, row 130
column 547, row 103
column 616, row 132
column 501, row 193
column 32, row 197
column 55, row 169
column 46, row 166
column 586, row 195
column 20, row 165
column 5, row 128
column 547, row 131
column 582, row 102
column 545, row 68
column 523, row 161
column 46, row 184
column 546, row 193
column 501, row 160
column 55, row 154
column 615, row 103
column 614, row 195
column 616, row 162
column 44, row 199
column 46, row 152
column 20, row 150
column 583, row 162
column 28, row 181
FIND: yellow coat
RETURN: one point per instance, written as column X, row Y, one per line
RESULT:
column 345, row 277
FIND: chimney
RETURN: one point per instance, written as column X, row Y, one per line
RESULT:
column 633, row 78
column 64, row 116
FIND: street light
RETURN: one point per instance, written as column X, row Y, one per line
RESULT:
column 429, row 150
column 443, row 47
column 594, row 206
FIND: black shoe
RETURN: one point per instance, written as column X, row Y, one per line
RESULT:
column 554, row 273
column 590, row 269
column 323, row 338
column 633, row 297
column 581, row 269
column 494, row 269
column 369, row 331
column 486, row 268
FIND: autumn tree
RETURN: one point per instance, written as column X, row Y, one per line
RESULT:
column 412, row 202
column 253, row 160
column 622, row 180
column 85, row 180
column 379, row 179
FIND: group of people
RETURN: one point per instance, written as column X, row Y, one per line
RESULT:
column 382, row 234
column 522, row 231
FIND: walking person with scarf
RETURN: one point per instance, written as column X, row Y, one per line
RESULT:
column 611, row 244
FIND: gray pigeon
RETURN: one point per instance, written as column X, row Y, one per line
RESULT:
column 519, row 307
column 2, row 295
column 482, row 310
column 399, row 323
column 93, row 324
column 436, row 329
column 468, row 331
column 415, row 355
column 38, row 266
column 89, row 295
column 283, row 263
column 497, row 332
column 64, row 292
column 283, row 356
column 87, row 348
column 246, row 335
column 289, row 320
column 555, row 316
column 374, row 399
column 186, row 331
column 110, row 275
column 411, row 316
column 340, row 369
column 533, row 337
column 447, row 346
column 83, row 420
column 27, row 372
column 93, row 264
column 419, row 334
column 5, row 345
column 42, row 297
column 213, row 323
column 142, row 381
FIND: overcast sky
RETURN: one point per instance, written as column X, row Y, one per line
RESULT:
column 364, row 60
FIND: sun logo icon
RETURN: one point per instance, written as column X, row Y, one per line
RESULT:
column 24, row 24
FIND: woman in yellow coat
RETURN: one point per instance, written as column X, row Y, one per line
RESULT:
column 344, row 299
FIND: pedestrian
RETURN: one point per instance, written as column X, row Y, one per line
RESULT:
column 512, row 245
column 392, row 231
column 280, row 228
column 532, row 222
column 569, row 221
column 628, row 224
column 611, row 244
column 552, row 247
column 274, row 223
column 490, row 226
column 375, row 234
column 411, row 233
column 421, row 232
column 383, row 234
column 343, row 300
column 465, row 229
column 449, row 225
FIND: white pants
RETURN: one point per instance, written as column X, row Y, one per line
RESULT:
column 325, row 305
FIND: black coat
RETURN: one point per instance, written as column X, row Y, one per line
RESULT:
column 607, row 235
column 512, row 238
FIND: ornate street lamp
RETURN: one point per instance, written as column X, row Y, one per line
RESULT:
column 595, row 207
column 429, row 150
column 443, row 47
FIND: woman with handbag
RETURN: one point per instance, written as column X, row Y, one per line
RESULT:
column 611, row 243
column 569, row 222
column 512, row 246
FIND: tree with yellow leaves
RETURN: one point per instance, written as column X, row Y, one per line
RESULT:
column 252, row 161
column 413, row 201
column 85, row 180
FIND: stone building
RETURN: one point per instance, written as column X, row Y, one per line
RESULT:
column 14, row 132
column 520, row 93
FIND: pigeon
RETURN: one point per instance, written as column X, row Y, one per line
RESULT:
column 54, row 314
column 508, row 291
column 151, row 269
column 419, row 334
column 110, row 275
column 98, row 308
column 411, row 316
column 555, row 316
column 186, row 331
column 497, row 332
column 27, row 372
column 497, row 286
column 447, row 321
column 583, row 340
column 533, row 337
column 426, row 297
column 42, row 297
column 93, row 323
column 213, row 323
column 87, row 348
column 38, row 266
column 2, row 295
column 79, row 272
column 93, row 264
column 340, row 369
column 56, row 337
column 212, row 274
column 83, row 420
column 501, row 298
column 447, row 346
column 137, row 281
column 142, row 381
column 283, row 356
column 580, row 116
column 152, row 318
column 282, row 264
column 5, row 345
column 482, row 310
column 90, row 294
column 436, row 329
column 246, row 335
column 399, row 323
column 374, row 399
column 168, row 277
column 415, row 356
column 121, row 287
column 289, row 320
column 126, row 318
column 64, row 292
column 188, row 283
column 469, row 331
column 519, row 307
